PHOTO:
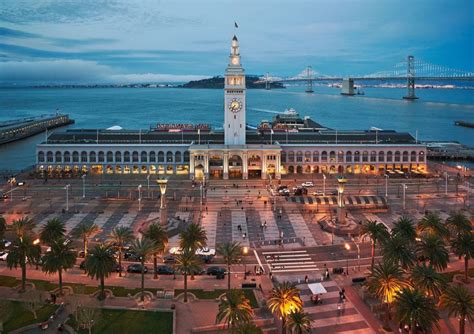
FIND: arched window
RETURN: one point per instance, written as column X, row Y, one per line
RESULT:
column 169, row 156
column 324, row 156
column 397, row 156
column 152, row 156
column 389, row 156
column 144, row 156
column 67, row 156
column 161, row 156
column 356, row 156
column 421, row 156
column 365, row 156
column 58, row 157
column 40, row 156
column 118, row 156
column 49, row 156
column 381, row 156
column 101, row 156
column 92, row 156
column 316, row 156
column 340, row 156
column 135, row 156
column 83, row 156
column 307, row 156
column 291, row 156
column 126, row 156
column 348, row 156
column 373, row 156
column 186, row 156
column 405, row 156
column 413, row 156
column 177, row 156
column 299, row 156
column 75, row 156
column 332, row 156
column 110, row 156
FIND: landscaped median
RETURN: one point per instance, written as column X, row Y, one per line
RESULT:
column 215, row 294
column 15, row 315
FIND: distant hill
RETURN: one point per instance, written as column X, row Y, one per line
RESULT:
column 218, row 83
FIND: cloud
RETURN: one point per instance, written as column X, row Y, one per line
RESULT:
column 77, row 72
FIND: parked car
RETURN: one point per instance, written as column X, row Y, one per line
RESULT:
column 318, row 193
column 136, row 268
column 207, row 258
column 215, row 271
column 117, row 268
column 3, row 256
column 307, row 184
column 5, row 243
column 131, row 256
column 334, row 193
column 169, row 259
column 165, row 270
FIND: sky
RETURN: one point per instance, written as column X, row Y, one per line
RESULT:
column 124, row 41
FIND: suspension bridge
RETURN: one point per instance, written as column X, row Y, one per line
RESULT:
column 408, row 70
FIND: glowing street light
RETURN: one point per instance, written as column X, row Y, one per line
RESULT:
column 348, row 248
column 83, row 185
column 139, row 197
column 67, row 196
column 386, row 185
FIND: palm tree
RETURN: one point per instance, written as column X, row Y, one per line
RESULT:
column 283, row 300
column 431, row 223
column 22, row 226
column 157, row 234
column 187, row 263
column 231, row 252
column 376, row 232
column 53, row 230
column 433, row 249
column 193, row 237
column 299, row 323
column 385, row 281
column 83, row 231
column 463, row 246
column 405, row 228
column 426, row 278
column 60, row 257
column 458, row 223
column 234, row 309
column 460, row 303
column 119, row 237
column 143, row 248
column 23, row 250
column 415, row 309
column 99, row 264
column 396, row 250
column 247, row 328
column 3, row 227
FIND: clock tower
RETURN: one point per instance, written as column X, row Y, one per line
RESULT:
column 234, row 100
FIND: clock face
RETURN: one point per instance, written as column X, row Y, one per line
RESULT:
column 235, row 106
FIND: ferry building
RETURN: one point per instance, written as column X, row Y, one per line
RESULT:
column 289, row 144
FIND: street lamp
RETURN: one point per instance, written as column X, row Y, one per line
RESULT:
column 358, row 253
column 386, row 185
column 404, row 187
column 12, row 181
column 67, row 196
column 348, row 248
column 148, row 180
column 341, row 212
column 83, row 185
column 163, row 184
column 446, row 183
column 139, row 197
column 324, row 184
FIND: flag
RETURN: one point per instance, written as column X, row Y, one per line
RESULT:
column 235, row 24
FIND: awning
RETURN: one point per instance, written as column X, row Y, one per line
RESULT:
column 316, row 288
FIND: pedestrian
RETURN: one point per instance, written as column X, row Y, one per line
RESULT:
column 306, row 279
column 244, row 235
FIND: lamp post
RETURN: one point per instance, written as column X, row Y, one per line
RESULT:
column 467, row 194
column 386, row 185
column 11, row 180
column 341, row 212
column 83, row 185
column 148, row 185
column 163, row 184
column 348, row 248
column 446, row 183
column 245, row 251
column 139, row 197
column 67, row 196
column 324, row 184
column 404, row 188
column 358, row 253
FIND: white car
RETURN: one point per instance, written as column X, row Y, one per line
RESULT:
column 6, row 243
column 307, row 184
column 3, row 256
column 318, row 193
column 203, row 251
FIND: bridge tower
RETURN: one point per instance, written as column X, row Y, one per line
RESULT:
column 267, row 82
column 309, row 83
column 410, row 79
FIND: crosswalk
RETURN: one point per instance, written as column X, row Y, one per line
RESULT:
column 289, row 261
column 332, row 316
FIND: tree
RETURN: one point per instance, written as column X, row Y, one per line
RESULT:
column 415, row 309
column 158, row 235
column 61, row 257
column 299, row 323
column 33, row 302
column 143, row 248
column 23, row 226
column 234, row 309
column 396, row 250
column 376, row 232
column 385, row 281
column 431, row 223
column 23, row 250
column 187, row 263
column 87, row 316
column 405, row 228
column 231, row 252
column 83, row 231
column 3, row 227
column 193, row 237
column 99, row 264
column 426, row 278
column 284, row 299
column 53, row 230
column 119, row 237
column 432, row 248
column 458, row 223
column 460, row 303
column 463, row 246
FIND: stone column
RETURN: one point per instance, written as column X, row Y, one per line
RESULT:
column 264, row 166
column 226, row 166
column 278, row 166
column 206, row 165
column 191, row 166
column 245, row 166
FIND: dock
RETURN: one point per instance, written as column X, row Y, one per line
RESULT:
column 18, row 129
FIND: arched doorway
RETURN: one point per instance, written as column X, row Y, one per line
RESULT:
column 299, row 170
column 235, row 167
column 291, row 170
column 271, row 170
column 254, row 166
column 199, row 172
column 216, row 166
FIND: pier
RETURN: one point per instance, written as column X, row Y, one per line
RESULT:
column 17, row 129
